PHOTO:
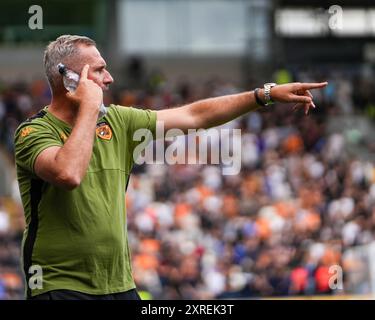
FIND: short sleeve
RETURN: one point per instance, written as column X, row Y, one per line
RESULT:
column 141, row 125
column 29, row 141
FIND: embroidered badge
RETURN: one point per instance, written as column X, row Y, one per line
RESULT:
column 104, row 131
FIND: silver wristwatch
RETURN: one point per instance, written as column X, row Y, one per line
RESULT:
column 267, row 93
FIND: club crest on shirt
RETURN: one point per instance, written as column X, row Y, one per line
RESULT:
column 103, row 131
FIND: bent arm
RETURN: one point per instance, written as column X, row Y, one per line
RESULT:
column 66, row 166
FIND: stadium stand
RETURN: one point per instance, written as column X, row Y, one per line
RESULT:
column 305, row 195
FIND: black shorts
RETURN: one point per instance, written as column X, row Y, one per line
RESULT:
column 75, row 295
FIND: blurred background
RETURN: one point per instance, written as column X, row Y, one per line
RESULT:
column 299, row 219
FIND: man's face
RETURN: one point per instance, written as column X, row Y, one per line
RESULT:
column 97, row 71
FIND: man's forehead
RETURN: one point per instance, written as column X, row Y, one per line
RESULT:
column 91, row 55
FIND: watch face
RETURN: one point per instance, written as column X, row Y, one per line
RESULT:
column 270, row 84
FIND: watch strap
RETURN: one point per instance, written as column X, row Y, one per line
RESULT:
column 258, row 99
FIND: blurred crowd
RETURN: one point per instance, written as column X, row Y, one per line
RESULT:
column 275, row 229
column 11, row 228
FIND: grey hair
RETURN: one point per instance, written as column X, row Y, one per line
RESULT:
column 62, row 49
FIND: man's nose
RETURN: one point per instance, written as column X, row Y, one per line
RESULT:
column 108, row 79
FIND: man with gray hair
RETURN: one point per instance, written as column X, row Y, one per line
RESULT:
column 73, row 170
column 65, row 48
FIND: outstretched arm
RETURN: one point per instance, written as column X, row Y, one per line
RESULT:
column 213, row 112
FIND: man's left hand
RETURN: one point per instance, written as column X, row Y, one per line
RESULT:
column 296, row 92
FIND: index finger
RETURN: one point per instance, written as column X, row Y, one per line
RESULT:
column 307, row 86
column 85, row 71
